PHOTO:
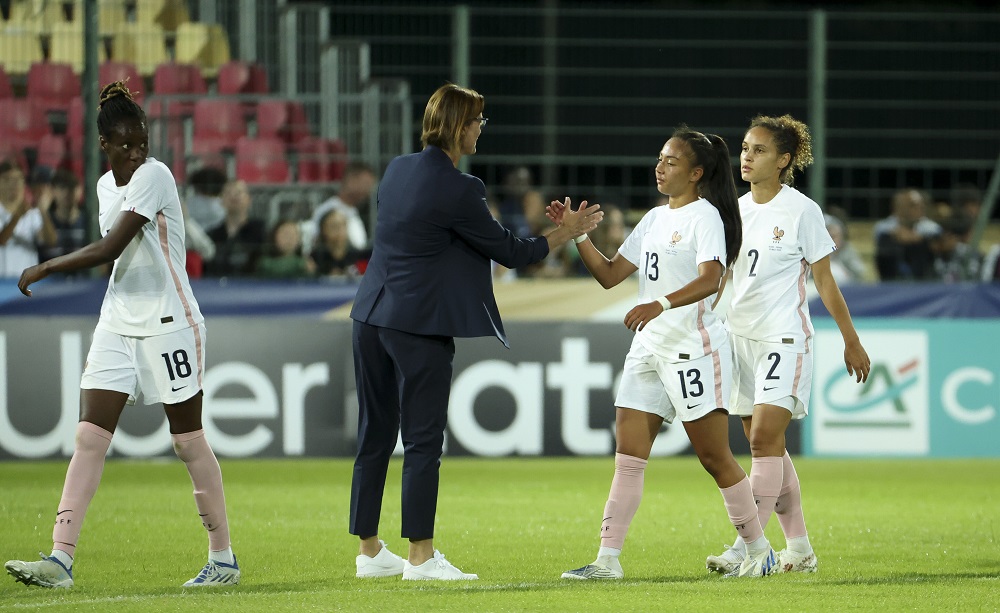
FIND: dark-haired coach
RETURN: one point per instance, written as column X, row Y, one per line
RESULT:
column 428, row 281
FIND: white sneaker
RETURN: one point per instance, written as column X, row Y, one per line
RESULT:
column 726, row 562
column 604, row 567
column 435, row 569
column 795, row 562
column 760, row 565
column 215, row 574
column 47, row 572
column 384, row 564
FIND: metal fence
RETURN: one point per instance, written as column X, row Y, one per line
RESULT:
column 585, row 96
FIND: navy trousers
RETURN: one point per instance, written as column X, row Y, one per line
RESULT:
column 403, row 381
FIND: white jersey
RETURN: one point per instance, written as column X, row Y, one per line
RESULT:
column 667, row 246
column 781, row 238
column 149, row 293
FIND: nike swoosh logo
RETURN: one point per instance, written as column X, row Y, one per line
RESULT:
column 605, row 519
column 177, row 389
column 61, row 512
column 767, row 389
column 691, row 406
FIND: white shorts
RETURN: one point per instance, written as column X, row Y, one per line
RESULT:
column 689, row 390
column 166, row 368
column 767, row 373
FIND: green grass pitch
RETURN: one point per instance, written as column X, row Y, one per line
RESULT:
column 891, row 535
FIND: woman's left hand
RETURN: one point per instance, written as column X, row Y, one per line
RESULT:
column 642, row 314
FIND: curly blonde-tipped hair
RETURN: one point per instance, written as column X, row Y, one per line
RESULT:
column 117, row 104
column 791, row 136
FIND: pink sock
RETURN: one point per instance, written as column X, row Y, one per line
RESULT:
column 82, row 478
column 206, row 476
column 742, row 510
column 789, row 503
column 765, row 479
column 623, row 500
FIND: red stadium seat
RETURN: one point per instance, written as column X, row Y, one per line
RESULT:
column 22, row 123
column 218, row 123
column 283, row 119
column 51, row 151
column 109, row 72
column 74, row 118
column 5, row 89
column 237, row 77
column 175, row 79
column 321, row 160
column 52, row 86
column 261, row 160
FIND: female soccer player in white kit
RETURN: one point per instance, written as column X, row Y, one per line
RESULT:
column 784, row 236
column 680, row 362
column 150, row 337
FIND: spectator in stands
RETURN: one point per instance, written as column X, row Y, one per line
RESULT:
column 67, row 213
column 204, row 204
column 333, row 253
column 199, row 247
column 427, row 282
column 991, row 265
column 955, row 260
column 24, row 227
column 967, row 201
column 356, row 187
column 239, row 238
column 904, row 241
column 845, row 263
column 522, row 207
column 283, row 258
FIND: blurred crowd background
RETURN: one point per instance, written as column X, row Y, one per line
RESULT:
column 278, row 118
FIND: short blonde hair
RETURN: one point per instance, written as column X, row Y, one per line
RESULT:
column 448, row 111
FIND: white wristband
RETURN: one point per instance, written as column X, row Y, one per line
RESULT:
column 664, row 303
column 580, row 239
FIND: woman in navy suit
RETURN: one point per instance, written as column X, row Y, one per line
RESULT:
column 428, row 281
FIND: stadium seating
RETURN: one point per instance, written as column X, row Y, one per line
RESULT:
column 169, row 79
column 168, row 14
column 51, row 151
column 22, row 123
column 110, row 72
column 37, row 17
column 261, row 160
column 282, row 119
column 202, row 44
column 52, row 87
column 19, row 49
column 5, row 88
column 321, row 160
column 218, row 122
column 143, row 44
column 236, row 77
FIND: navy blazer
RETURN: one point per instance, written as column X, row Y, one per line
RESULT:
column 430, row 269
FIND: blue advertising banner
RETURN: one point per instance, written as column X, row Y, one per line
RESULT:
column 934, row 390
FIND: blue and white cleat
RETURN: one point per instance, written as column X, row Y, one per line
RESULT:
column 760, row 565
column 47, row 572
column 604, row 567
column 216, row 574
